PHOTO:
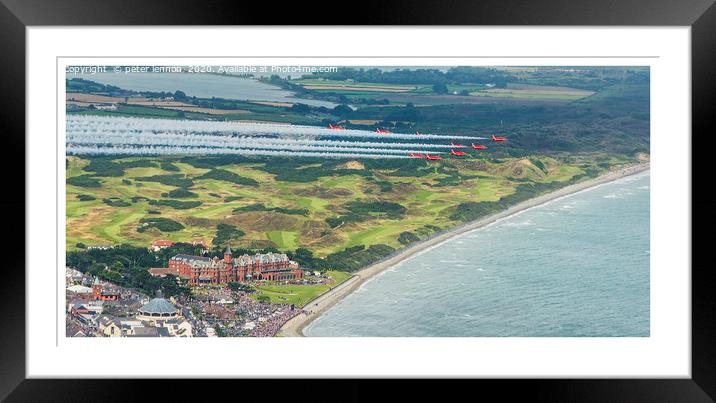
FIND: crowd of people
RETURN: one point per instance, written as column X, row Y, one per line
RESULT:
column 235, row 313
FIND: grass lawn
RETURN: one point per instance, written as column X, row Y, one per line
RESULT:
column 283, row 239
column 299, row 295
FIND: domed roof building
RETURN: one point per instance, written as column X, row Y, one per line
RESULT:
column 158, row 309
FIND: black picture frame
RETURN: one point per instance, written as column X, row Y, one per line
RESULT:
column 16, row 15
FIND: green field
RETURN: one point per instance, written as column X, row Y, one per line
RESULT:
column 299, row 295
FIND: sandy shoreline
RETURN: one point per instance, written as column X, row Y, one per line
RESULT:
column 295, row 326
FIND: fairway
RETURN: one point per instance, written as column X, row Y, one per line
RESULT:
column 283, row 239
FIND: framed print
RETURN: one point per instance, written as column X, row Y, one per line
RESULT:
column 507, row 197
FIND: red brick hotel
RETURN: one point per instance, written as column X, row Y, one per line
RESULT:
column 206, row 270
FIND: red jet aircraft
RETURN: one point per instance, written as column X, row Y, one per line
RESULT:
column 417, row 155
column 383, row 131
column 458, row 153
column 336, row 127
column 432, row 157
column 498, row 138
column 478, row 147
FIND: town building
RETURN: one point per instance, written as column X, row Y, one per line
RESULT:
column 157, row 309
column 79, row 289
column 205, row 270
column 110, row 327
column 157, row 318
column 160, row 244
column 99, row 293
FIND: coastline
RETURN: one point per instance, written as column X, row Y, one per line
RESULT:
column 295, row 326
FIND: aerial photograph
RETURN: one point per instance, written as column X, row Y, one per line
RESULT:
column 348, row 201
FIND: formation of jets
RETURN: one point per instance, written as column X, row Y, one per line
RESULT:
column 431, row 157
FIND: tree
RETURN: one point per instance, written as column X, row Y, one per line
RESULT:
column 301, row 108
column 342, row 110
column 440, row 89
column 179, row 95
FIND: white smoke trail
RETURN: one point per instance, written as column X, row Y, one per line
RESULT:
column 169, row 150
column 218, row 142
column 131, row 124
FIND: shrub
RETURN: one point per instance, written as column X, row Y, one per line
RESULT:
column 261, row 207
column 86, row 181
column 180, row 193
column 162, row 224
column 116, row 203
column 228, row 176
column 177, row 180
column 225, row 233
column 177, row 204
column 407, row 238
column 168, row 166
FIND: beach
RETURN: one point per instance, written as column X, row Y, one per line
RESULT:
column 314, row 309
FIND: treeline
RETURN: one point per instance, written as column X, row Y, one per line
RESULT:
column 454, row 75
column 350, row 259
column 127, row 266
column 82, row 85
column 261, row 207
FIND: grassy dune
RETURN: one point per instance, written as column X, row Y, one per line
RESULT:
column 293, row 214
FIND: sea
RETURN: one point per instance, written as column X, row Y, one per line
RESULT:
column 200, row 85
column 577, row 266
